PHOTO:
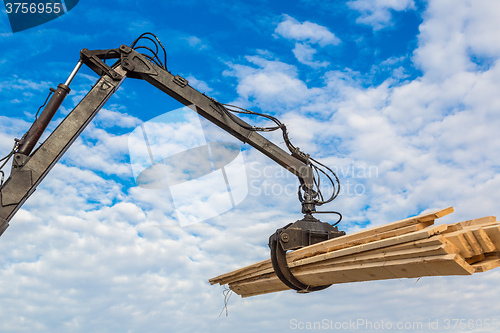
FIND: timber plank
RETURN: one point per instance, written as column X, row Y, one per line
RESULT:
column 425, row 233
column 412, row 249
column 458, row 239
column 433, row 240
column 493, row 233
column 475, row 259
column 435, row 214
column 372, row 238
column 329, row 245
column 451, row 264
column 240, row 271
column 484, row 240
column 437, row 240
column 384, row 256
column 265, row 267
column 474, row 244
column 471, row 223
column 486, row 265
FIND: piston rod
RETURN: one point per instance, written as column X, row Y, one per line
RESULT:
column 36, row 130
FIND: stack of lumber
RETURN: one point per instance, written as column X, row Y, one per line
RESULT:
column 409, row 248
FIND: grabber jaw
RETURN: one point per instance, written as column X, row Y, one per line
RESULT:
column 305, row 232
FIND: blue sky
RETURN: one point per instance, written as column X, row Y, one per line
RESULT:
column 400, row 97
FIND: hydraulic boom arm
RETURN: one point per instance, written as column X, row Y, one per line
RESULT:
column 30, row 165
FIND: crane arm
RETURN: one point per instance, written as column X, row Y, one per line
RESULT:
column 30, row 168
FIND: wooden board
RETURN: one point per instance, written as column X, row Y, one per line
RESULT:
column 472, row 223
column 458, row 239
column 331, row 244
column 436, row 240
column 407, row 268
column 426, row 233
column 364, row 236
column 433, row 240
column 486, row 265
column 493, row 233
column 475, row 259
column 388, row 255
column 474, row 244
column 484, row 240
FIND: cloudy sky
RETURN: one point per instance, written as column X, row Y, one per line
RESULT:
column 401, row 97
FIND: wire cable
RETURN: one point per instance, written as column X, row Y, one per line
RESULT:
column 153, row 58
column 52, row 90
column 6, row 159
column 318, row 168
column 158, row 45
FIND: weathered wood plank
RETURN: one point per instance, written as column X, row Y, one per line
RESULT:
column 388, row 255
column 426, row 233
column 471, row 223
column 332, row 243
column 493, row 233
column 486, row 265
column 484, row 240
column 452, row 264
column 458, row 239
column 474, row 244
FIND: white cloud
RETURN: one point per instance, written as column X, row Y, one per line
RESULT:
column 307, row 31
column 199, row 85
column 270, row 82
column 305, row 34
column 377, row 13
column 28, row 86
column 454, row 34
column 112, row 116
column 196, row 43
column 304, row 54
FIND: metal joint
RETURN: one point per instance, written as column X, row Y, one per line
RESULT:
column 93, row 60
column 180, row 81
column 19, row 161
column 301, row 156
column 125, row 49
